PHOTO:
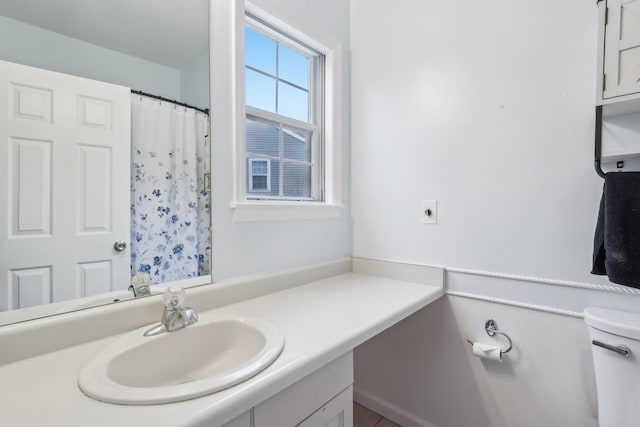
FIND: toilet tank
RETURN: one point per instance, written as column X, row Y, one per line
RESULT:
column 617, row 375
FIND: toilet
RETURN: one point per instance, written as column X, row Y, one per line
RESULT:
column 615, row 345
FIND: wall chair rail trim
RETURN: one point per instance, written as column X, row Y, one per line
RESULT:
column 513, row 303
column 566, row 283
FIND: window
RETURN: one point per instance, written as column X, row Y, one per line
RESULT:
column 260, row 175
column 284, row 100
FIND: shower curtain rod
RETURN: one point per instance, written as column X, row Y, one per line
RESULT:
column 173, row 101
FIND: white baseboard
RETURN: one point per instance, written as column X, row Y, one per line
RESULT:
column 389, row 410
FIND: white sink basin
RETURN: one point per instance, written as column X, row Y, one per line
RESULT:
column 209, row 356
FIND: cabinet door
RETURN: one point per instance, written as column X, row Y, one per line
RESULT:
column 243, row 420
column 296, row 403
column 338, row 412
column 622, row 48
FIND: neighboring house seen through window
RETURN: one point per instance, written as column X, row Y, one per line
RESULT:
column 284, row 109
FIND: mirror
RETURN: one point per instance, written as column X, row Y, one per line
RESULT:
column 104, row 151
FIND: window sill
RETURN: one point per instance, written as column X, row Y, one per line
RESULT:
column 283, row 211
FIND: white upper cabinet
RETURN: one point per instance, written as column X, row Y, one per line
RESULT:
column 619, row 50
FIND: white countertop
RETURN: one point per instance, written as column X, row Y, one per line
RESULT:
column 320, row 321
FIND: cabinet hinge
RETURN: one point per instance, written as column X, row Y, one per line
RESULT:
column 604, row 82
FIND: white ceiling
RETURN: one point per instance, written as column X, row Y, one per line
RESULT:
column 168, row 32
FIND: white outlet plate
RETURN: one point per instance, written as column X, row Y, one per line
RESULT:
column 429, row 212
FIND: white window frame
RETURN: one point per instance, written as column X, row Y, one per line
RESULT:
column 251, row 161
column 315, row 110
column 330, row 206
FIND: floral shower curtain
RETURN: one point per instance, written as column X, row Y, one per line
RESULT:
column 170, row 217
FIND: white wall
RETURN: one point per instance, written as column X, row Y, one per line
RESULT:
column 241, row 248
column 52, row 51
column 487, row 107
column 194, row 82
column 30, row 45
column 421, row 372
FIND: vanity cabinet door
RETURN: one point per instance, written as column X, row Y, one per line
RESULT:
column 243, row 420
column 296, row 403
column 338, row 412
column 621, row 48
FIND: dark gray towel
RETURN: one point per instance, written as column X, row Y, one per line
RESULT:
column 616, row 248
column 598, row 242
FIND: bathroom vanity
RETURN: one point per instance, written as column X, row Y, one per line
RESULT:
column 321, row 318
column 319, row 399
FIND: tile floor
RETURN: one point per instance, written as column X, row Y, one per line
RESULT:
column 363, row 417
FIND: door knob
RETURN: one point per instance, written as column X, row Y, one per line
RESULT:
column 120, row 245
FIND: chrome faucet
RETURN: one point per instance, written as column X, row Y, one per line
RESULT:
column 174, row 316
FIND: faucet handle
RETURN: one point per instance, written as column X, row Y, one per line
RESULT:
column 173, row 297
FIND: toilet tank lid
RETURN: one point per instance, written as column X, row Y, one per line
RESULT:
column 616, row 322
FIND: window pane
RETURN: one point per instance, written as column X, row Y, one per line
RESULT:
column 293, row 102
column 297, row 144
column 297, row 180
column 260, row 182
column 260, row 91
column 262, row 138
column 259, row 51
column 259, row 167
column 293, row 67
